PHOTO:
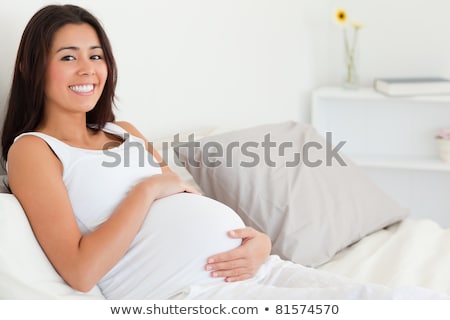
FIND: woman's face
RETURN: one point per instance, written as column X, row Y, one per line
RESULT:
column 76, row 71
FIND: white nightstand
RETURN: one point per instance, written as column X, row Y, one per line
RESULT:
column 393, row 139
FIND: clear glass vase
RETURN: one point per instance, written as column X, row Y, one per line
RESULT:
column 351, row 80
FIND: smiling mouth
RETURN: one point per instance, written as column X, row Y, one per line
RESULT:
column 85, row 88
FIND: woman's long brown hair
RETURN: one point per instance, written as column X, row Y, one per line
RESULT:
column 26, row 100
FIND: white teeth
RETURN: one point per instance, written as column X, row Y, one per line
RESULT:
column 83, row 88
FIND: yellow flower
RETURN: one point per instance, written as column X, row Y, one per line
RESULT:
column 341, row 16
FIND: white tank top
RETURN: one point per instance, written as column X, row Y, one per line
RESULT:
column 179, row 233
column 93, row 180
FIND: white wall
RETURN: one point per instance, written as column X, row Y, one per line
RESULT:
column 185, row 64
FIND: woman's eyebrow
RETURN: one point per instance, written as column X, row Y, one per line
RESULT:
column 77, row 48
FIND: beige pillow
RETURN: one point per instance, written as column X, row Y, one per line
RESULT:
column 311, row 202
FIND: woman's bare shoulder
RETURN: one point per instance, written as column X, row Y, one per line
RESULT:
column 28, row 146
column 27, row 154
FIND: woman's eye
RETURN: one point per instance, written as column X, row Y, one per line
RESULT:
column 68, row 58
column 96, row 57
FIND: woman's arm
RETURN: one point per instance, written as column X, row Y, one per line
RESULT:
column 243, row 262
column 35, row 176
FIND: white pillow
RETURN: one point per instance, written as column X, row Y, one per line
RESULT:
column 25, row 272
column 309, row 212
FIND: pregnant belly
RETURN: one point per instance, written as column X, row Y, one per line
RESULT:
column 169, row 253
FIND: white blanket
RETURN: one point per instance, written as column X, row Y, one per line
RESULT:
column 279, row 279
column 412, row 252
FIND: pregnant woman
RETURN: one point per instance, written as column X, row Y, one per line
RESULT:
column 135, row 229
column 92, row 220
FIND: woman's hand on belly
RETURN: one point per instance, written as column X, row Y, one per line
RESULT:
column 244, row 261
column 166, row 184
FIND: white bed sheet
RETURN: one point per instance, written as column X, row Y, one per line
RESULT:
column 414, row 252
column 278, row 279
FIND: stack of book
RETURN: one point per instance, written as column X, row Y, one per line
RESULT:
column 412, row 86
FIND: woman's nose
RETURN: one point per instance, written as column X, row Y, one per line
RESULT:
column 86, row 68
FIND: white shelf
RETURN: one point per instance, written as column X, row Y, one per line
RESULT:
column 392, row 128
column 369, row 93
column 401, row 162
column 393, row 140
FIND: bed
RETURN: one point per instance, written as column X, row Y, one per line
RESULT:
column 319, row 209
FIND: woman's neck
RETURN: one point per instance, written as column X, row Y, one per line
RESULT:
column 68, row 128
